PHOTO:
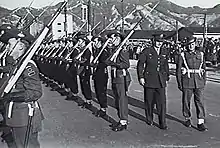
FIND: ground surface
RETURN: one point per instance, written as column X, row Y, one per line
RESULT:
column 66, row 125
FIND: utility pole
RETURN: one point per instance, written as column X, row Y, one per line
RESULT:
column 122, row 17
column 89, row 17
column 65, row 21
column 177, row 33
column 205, row 26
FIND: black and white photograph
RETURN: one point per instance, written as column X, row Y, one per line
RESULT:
column 109, row 74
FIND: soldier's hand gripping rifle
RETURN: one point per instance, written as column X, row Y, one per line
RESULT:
column 77, row 58
column 12, row 79
column 95, row 61
column 68, row 55
column 114, row 56
column 60, row 54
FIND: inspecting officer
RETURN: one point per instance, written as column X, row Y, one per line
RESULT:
column 191, row 79
column 153, row 75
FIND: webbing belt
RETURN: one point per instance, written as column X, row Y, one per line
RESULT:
column 188, row 71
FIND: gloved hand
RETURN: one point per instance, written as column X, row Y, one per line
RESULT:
column 142, row 81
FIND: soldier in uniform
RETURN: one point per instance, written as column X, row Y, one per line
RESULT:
column 85, row 71
column 191, row 79
column 24, row 95
column 153, row 75
column 120, row 80
column 100, row 72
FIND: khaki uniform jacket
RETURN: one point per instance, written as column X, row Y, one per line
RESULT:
column 28, row 82
column 194, row 60
column 121, row 75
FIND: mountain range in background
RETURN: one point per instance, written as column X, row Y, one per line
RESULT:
column 164, row 17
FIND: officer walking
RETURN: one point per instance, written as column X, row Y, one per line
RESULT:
column 191, row 79
column 23, row 97
column 153, row 75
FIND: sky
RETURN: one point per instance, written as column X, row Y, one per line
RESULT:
column 12, row 4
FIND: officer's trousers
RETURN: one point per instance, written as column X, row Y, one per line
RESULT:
column 198, row 100
column 19, row 137
column 121, row 99
column 100, row 84
column 158, row 96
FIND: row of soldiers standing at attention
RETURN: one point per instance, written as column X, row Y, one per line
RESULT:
column 152, row 70
column 82, row 57
column 62, row 61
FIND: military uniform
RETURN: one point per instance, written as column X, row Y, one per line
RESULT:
column 84, row 71
column 27, row 90
column 153, row 67
column 121, row 79
column 100, row 72
column 22, row 100
column 191, row 79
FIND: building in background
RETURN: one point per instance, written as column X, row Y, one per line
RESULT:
column 58, row 26
column 36, row 28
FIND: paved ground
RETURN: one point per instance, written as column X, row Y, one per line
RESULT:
column 68, row 126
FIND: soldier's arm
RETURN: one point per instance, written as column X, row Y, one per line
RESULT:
column 31, row 90
column 204, row 67
column 124, row 60
column 32, row 83
column 167, row 65
column 140, row 65
column 178, row 70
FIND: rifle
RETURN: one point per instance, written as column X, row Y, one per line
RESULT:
column 99, row 54
column 114, row 56
column 68, row 43
column 81, row 53
column 51, row 51
column 36, row 17
column 107, row 27
column 16, row 73
column 22, row 19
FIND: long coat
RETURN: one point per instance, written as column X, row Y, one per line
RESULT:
column 153, row 67
column 27, row 89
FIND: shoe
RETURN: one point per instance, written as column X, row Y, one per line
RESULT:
column 100, row 113
column 119, row 127
column 163, row 127
column 150, row 123
column 86, row 105
column 187, row 123
column 71, row 98
column 201, row 127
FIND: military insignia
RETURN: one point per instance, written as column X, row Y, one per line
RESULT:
column 31, row 72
